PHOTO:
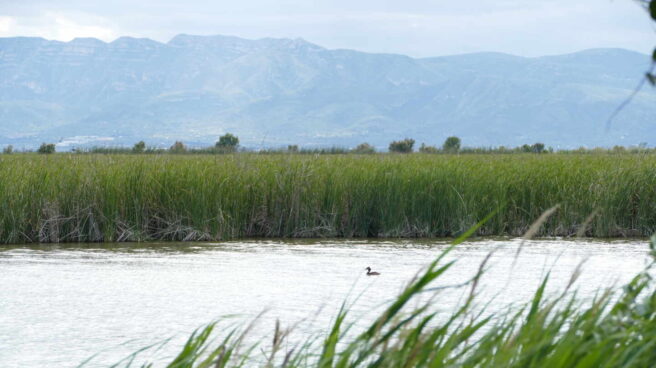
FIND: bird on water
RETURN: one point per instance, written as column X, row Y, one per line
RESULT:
column 369, row 273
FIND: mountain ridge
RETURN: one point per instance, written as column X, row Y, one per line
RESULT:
column 289, row 91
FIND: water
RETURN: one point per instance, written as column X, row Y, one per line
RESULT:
column 62, row 305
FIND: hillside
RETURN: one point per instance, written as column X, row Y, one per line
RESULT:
column 273, row 92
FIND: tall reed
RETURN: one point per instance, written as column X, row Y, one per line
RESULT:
column 92, row 198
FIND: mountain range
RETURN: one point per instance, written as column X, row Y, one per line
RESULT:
column 274, row 92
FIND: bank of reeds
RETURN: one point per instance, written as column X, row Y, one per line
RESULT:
column 93, row 198
column 557, row 331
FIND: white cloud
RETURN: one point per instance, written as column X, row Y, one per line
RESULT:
column 67, row 29
column 57, row 26
column 5, row 25
column 413, row 27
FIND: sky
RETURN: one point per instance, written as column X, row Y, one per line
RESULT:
column 419, row 28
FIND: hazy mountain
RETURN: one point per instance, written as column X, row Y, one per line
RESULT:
column 273, row 92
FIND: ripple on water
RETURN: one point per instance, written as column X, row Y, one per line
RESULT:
column 61, row 304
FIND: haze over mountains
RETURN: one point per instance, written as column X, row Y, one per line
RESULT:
column 274, row 92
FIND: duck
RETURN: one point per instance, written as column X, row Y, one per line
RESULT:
column 369, row 273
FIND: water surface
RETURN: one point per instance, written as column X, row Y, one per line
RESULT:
column 61, row 305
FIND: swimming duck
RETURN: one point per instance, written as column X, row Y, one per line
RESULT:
column 369, row 273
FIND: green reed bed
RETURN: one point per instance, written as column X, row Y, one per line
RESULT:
column 89, row 198
column 616, row 329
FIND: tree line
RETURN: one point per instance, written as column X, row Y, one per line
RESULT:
column 229, row 143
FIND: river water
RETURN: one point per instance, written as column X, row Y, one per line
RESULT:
column 60, row 306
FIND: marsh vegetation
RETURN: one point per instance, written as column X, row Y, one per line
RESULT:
column 96, row 198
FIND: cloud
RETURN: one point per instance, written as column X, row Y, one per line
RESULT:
column 5, row 25
column 67, row 29
column 413, row 27
column 57, row 26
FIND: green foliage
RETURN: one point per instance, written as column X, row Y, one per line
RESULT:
column 363, row 149
column 428, row 149
column 451, row 144
column 139, row 147
column 178, row 147
column 90, row 198
column 303, row 151
column 403, row 146
column 46, row 148
column 366, row 148
column 227, row 143
column 8, row 150
column 619, row 149
column 537, row 148
column 534, row 148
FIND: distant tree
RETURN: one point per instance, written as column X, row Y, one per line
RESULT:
column 404, row 146
column 178, row 147
column 227, row 143
column 8, row 150
column 428, row 149
column 619, row 149
column 537, row 148
column 46, row 148
column 451, row 144
column 364, row 148
column 526, row 148
column 139, row 147
column 292, row 148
